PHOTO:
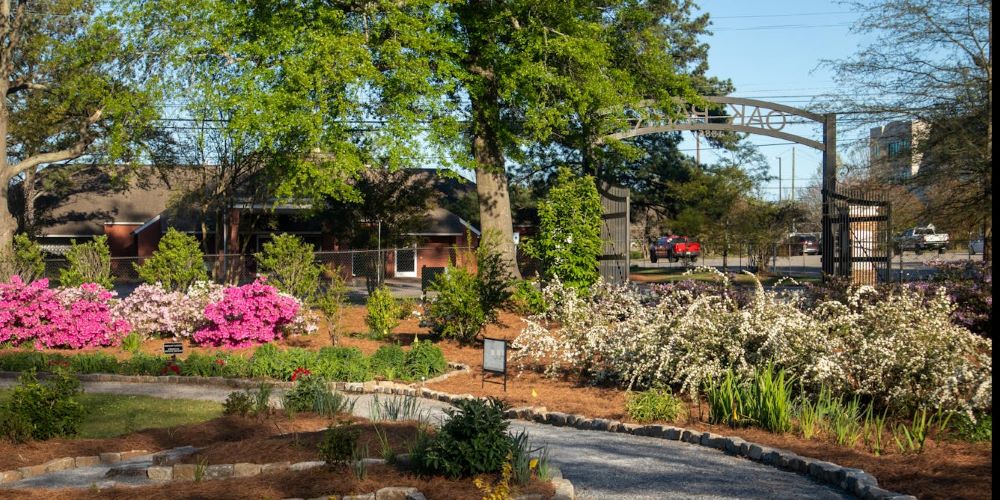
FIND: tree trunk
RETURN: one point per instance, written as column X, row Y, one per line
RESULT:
column 491, row 175
column 8, row 224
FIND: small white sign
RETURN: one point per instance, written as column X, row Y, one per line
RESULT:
column 517, row 238
column 495, row 355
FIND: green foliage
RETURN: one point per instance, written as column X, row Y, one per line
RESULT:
column 653, row 405
column 23, row 259
column 88, row 263
column 50, row 407
column 473, row 440
column 395, row 408
column 21, row 361
column 339, row 443
column 176, row 264
column 522, row 457
column 911, row 439
column 424, row 360
column 466, row 302
column 312, row 393
column 383, row 313
column 874, row 430
column 342, row 363
column 569, row 231
column 132, row 342
column 14, row 426
column 764, row 400
column 388, row 361
column 974, row 431
column 526, row 299
column 289, row 264
column 97, row 362
column 845, row 422
column 238, row 403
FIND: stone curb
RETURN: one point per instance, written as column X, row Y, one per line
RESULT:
column 66, row 463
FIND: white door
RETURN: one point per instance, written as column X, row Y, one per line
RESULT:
column 406, row 262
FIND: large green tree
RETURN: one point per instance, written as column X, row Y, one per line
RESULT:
column 71, row 85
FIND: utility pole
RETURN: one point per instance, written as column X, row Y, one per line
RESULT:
column 697, row 147
column 793, row 173
column 779, row 178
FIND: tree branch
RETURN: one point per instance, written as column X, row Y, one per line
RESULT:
column 74, row 151
column 22, row 84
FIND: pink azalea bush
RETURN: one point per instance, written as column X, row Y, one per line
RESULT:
column 74, row 317
column 155, row 312
column 250, row 314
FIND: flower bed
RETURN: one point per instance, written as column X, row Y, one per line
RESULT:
column 91, row 316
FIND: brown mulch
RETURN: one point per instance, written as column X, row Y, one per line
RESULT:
column 304, row 446
column 306, row 484
column 219, row 430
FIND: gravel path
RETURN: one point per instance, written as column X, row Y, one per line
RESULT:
column 601, row 465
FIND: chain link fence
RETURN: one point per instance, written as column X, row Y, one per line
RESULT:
column 361, row 270
column 795, row 260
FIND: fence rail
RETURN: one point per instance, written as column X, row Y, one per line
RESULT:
column 791, row 260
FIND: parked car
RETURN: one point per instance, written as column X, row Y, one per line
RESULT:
column 801, row 244
column 920, row 239
column 674, row 248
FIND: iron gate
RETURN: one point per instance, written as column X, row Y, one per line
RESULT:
column 614, row 260
column 861, row 230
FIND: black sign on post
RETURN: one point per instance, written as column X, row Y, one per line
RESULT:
column 495, row 359
column 173, row 349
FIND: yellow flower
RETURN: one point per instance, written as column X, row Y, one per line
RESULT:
column 533, row 463
column 534, row 394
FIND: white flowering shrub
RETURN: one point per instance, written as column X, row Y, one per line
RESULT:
column 897, row 350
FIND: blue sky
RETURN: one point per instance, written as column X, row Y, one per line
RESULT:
column 771, row 50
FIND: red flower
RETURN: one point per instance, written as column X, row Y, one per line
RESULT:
column 300, row 372
column 171, row 367
column 220, row 362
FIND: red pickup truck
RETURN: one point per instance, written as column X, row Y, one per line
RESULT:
column 674, row 248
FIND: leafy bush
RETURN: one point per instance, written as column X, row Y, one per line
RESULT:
column 250, row 314
column 93, row 363
column 238, row 403
column 176, row 264
column 50, row 407
column 657, row 404
column 473, row 440
column 290, row 266
column 466, row 302
column 312, row 393
column 424, row 360
column 339, row 443
column 527, row 298
column 342, row 363
column 569, row 231
column 131, row 343
column 388, row 361
column 70, row 317
column 383, row 313
column 979, row 428
column 763, row 400
column 88, row 263
column 24, row 259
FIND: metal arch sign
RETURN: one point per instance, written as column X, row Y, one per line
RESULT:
column 744, row 115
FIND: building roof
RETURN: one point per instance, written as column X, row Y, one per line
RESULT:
column 97, row 201
column 441, row 222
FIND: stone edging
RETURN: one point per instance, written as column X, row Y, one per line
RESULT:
column 66, row 463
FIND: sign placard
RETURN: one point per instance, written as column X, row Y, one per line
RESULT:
column 173, row 348
column 495, row 359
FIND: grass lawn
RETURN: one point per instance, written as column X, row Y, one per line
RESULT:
column 111, row 415
column 673, row 274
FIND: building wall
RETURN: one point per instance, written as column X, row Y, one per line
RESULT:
column 893, row 148
column 148, row 239
column 121, row 241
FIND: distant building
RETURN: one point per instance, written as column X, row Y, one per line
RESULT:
column 894, row 149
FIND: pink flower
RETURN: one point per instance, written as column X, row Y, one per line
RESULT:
column 250, row 314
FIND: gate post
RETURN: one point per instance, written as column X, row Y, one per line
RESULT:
column 829, row 187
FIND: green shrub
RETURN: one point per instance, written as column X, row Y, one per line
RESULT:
column 388, row 361
column 88, row 263
column 339, row 443
column 50, row 407
column 176, row 264
column 657, row 404
column 93, row 363
column 290, row 266
column 234, row 366
column 569, row 231
column 238, row 403
column 473, row 440
column 143, row 364
column 132, row 342
column 383, row 313
column 527, row 299
column 266, row 361
column 23, row 259
column 312, row 393
column 346, row 364
column 201, row 365
column 466, row 302
column 978, row 430
column 395, row 408
column 424, row 360
column 15, row 427
column 764, row 400
column 21, row 361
